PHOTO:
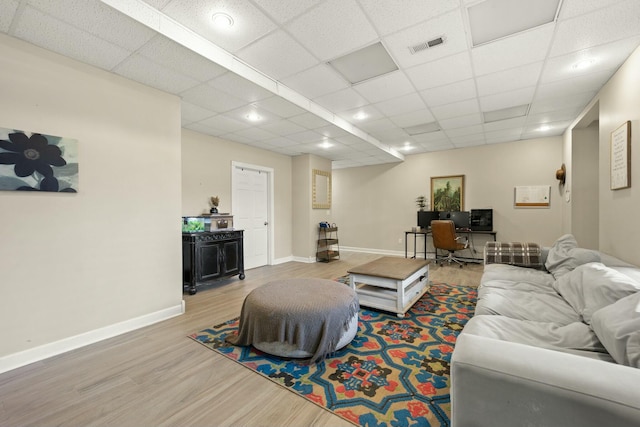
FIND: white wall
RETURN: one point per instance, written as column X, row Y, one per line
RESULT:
column 72, row 265
column 206, row 172
column 618, row 103
column 375, row 205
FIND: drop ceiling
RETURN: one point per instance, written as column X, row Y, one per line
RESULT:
column 268, row 81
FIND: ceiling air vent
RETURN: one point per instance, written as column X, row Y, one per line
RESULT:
column 426, row 45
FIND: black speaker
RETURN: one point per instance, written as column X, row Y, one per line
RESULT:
column 482, row 219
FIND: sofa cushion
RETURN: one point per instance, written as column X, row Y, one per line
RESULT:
column 512, row 273
column 565, row 255
column 526, row 305
column 574, row 336
column 589, row 287
column 618, row 328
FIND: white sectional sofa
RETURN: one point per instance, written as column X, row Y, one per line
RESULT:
column 553, row 346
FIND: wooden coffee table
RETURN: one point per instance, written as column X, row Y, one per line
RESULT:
column 390, row 284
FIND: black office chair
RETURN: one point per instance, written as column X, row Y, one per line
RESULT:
column 444, row 237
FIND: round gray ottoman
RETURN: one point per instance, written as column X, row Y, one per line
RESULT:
column 299, row 318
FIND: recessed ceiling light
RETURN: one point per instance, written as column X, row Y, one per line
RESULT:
column 326, row 144
column 360, row 116
column 423, row 128
column 407, row 146
column 253, row 117
column 584, row 64
column 222, row 20
column 544, row 128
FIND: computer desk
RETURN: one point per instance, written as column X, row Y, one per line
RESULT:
column 426, row 232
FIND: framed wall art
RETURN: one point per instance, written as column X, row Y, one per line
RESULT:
column 32, row 161
column 447, row 193
column 620, row 151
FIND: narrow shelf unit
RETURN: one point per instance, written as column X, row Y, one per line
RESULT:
column 327, row 246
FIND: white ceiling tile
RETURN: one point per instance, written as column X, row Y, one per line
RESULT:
column 241, row 114
column 389, row 18
column 468, row 141
column 309, row 121
column 507, row 80
column 544, row 105
column 306, row 136
column 554, row 128
column 392, row 134
column 157, row 4
column 448, row 26
column 516, row 122
column 331, row 131
column 316, row 81
column 240, row 88
column 606, row 57
column 510, row 52
column 417, row 117
column 459, row 122
column 455, row 109
column 47, row 32
column 431, row 138
column 596, row 28
column 137, row 67
column 551, row 116
column 376, row 125
column 372, row 114
column 280, row 142
column 283, row 11
column 170, row 54
column 99, row 19
column 388, row 86
column 572, row 8
column 207, row 96
column 441, row 72
column 446, row 94
column 507, row 99
column 249, row 22
column 579, row 84
column 503, row 135
column 333, row 28
column 7, row 11
column 277, row 55
column 463, row 131
column 207, row 130
column 255, row 134
column 400, row 105
column 282, row 127
column 345, row 99
column 279, row 106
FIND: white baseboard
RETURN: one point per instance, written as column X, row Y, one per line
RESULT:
column 282, row 260
column 372, row 251
column 36, row 354
column 308, row 260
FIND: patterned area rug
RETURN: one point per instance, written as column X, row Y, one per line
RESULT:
column 394, row 373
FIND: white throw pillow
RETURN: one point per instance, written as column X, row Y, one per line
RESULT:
column 618, row 329
column 589, row 287
column 565, row 255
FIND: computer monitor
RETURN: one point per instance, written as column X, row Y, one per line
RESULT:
column 425, row 218
column 461, row 219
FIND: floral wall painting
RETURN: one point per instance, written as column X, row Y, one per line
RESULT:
column 37, row 162
column 447, row 193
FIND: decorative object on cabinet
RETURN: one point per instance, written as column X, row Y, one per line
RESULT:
column 620, row 161
column 209, row 255
column 321, row 189
column 447, row 193
column 36, row 162
column 327, row 247
column 215, row 201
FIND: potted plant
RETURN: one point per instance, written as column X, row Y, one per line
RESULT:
column 421, row 202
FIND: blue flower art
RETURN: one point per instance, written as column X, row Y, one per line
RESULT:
column 37, row 162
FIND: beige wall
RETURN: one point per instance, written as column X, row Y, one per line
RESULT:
column 206, row 172
column 618, row 102
column 374, row 205
column 305, row 218
column 73, row 264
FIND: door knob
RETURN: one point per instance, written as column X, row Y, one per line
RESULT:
column 266, row 223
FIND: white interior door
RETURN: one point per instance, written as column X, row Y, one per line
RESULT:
column 250, row 204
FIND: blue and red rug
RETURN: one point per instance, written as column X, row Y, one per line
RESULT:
column 394, row 373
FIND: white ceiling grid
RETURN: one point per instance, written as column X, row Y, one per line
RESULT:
column 306, row 106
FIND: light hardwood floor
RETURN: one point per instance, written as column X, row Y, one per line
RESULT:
column 156, row 376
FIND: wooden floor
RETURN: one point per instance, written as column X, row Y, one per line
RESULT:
column 156, row 376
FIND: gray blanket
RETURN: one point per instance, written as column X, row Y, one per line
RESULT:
column 311, row 314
